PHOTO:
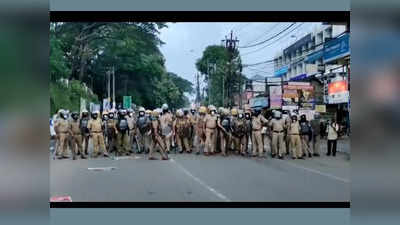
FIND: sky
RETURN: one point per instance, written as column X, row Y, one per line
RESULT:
column 185, row 43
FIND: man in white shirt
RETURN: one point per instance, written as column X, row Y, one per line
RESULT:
column 332, row 129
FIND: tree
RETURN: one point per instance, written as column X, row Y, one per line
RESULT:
column 222, row 74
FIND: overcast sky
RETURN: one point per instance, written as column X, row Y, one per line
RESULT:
column 185, row 43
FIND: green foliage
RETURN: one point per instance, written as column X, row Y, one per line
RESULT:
column 87, row 51
column 222, row 72
column 68, row 97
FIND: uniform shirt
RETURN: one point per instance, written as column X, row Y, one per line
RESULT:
column 294, row 128
column 61, row 126
column 332, row 131
column 199, row 123
column 155, row 125
column 257, row 122
column 131, row 122
column 210, row 121
column 277, row 124
column 74, row 127
column 166, row 122
column 181, row 124
column 95, row 125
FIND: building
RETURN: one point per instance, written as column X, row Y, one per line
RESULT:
column 305, row 56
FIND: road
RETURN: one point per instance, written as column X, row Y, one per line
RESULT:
column 189, row 177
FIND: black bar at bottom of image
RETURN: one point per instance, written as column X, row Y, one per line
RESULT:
column 199, row 204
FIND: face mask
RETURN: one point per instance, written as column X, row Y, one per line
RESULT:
column 141, row 114
column 212, row 112
column 240, row 116
column 111, row 116
column 247, row 116
column 193, row 111
column 75, row 117
column 94, row 117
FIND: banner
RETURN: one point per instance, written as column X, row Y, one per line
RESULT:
column 106, row 104
column 336, row 48
column 127, row 101
column 338, row 92
column 83, row 105
column 298, row 94
column 320, row 108
column 275, row 97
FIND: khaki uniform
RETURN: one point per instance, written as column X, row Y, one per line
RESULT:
column 239, row 134
column 200, row 137
column 248, row 135
column 166, row 123
column 224, row 134
column 85, row 136
column 211, row 133
column 182, row 132
column 132, row 131
column 62, row 128
column 76, row 135
column 193, row 121
column 277, row 129
column 315, row 124
column 156, row 139
column 257, row 143
column 287, row 136
column 123, row 140
column 97, row 136
column 144, row 136
column 111, row 135
column 295, row 141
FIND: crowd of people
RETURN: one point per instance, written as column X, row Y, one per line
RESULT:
column 201, row 130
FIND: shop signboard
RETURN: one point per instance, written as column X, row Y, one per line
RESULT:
column 281, row 71
column 338, row 92
column 258, row 102
column 275, row 97
column 320, row 108
column 336, row 48
column 298, row 94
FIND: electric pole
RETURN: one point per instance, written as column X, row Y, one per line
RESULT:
column 197, row 88
column 231, row 46
column 113, row 72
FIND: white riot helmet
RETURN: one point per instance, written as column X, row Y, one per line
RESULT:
column 164, row 107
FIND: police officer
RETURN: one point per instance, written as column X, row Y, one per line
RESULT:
column 239, row 131
column 166, row 122
column 156, row 137
column 96, row 132
column 181, row 130
column 247, row 116
column 277, row 125
column 224, row 125
column 316, row 133
column 143, row 127
column 192, row 120
column 122, row 131
column 104, row 119
column 84, row 121
column 257, row 123
column 286, row 117
column 132, row 128
column 210, row 125
column 295, row 141
column 75, row 132
column 148, row 134
column 305, row 134
column 62, row 130
column 111, row 132
column 200, row 137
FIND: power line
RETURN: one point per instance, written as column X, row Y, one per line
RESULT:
column 274, row 36
column 247, row 53
column 265, row 33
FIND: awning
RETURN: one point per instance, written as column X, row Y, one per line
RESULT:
column 281, row 71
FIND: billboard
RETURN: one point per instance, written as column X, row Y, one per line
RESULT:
column 127, row 101
column 298, row 94
column 258, row 102
column 336, row 48
column 338, row 92
column 275, row 97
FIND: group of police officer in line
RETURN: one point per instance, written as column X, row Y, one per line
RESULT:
column 202, row 129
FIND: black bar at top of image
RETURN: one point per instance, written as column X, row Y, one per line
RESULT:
column 199, row 204
column 200, row 16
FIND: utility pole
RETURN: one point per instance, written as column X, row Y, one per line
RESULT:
column 113, row 72
column 197, row 88
column 109, row 86
column 230, row 45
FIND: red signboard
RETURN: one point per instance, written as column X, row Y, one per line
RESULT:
column 337, row 87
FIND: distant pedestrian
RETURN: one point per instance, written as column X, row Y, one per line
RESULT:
column 333, row 129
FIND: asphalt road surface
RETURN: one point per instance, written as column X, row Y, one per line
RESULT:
column 190, row 177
